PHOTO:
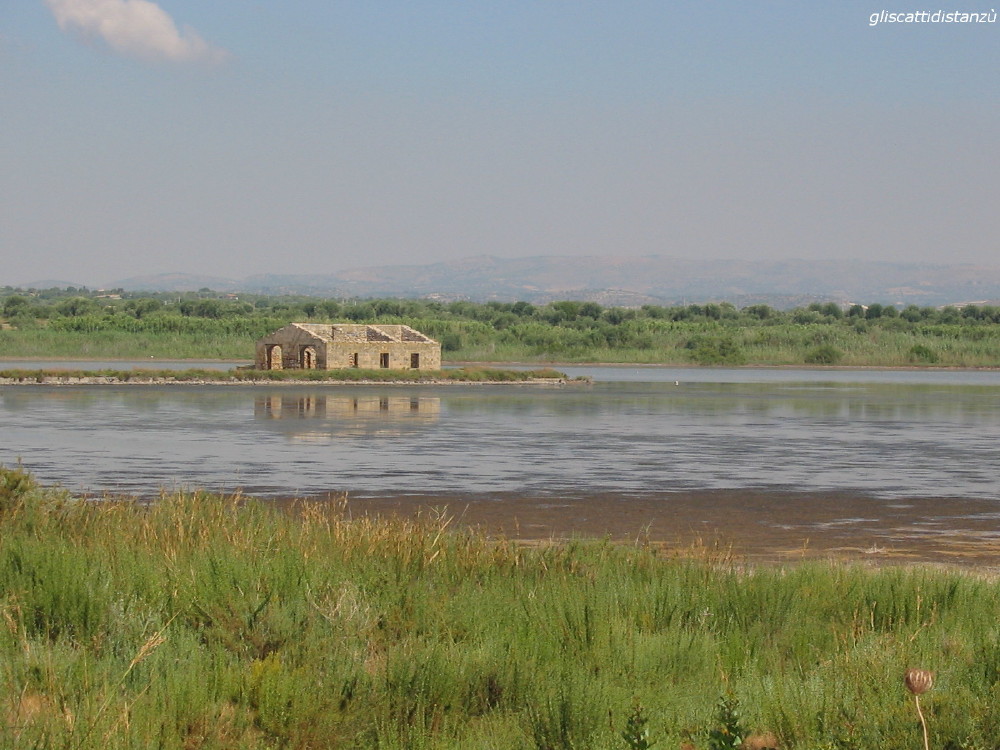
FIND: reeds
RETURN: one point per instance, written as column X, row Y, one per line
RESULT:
column 201, row 621
column 886, row 343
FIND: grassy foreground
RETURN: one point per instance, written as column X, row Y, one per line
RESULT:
column 207, row 622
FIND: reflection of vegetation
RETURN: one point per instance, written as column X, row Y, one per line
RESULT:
column 81, row 324
column 200, row 621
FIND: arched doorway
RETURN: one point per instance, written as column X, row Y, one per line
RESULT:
column 274, row 357
column 307, row 358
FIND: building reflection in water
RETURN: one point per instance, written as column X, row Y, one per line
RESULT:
column 315, row 417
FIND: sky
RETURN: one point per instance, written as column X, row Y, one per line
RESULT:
column 240, row 137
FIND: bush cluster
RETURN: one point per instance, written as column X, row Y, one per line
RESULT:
column 709, row 334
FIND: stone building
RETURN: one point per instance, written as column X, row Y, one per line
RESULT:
column 322, row 346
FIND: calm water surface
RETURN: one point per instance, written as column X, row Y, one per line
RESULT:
column 635, row 432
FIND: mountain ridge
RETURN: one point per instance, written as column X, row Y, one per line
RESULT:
column 628, row 281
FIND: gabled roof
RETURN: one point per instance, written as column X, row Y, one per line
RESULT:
column 363, row 332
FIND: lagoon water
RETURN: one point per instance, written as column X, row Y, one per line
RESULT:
column 650, row 434
column 634, row 431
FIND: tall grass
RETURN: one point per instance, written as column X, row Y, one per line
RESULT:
column 200, row 621
column 892, row 343
column 42, row 342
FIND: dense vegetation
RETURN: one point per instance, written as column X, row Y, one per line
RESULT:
column 206, row 622
column 64, row 324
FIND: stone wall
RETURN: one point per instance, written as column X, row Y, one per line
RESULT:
column 370, row 355
column 295, row 347
column 292, row 343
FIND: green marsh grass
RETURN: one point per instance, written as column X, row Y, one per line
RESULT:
column 882, row 343
column 200, row 621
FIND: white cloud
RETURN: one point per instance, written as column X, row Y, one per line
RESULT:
column 137, row 28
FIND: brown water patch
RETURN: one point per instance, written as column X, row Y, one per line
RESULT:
column 755, row 524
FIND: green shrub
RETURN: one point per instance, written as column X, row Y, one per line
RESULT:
column 16, row 485
column 921, row 353
column 451, row 342
column 709, row 349
column 728, row 734
column 826, row 354
column 636, row 733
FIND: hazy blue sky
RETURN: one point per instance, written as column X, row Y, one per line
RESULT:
column 235, row 137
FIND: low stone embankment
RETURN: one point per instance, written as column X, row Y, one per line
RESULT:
column 220, row 377
column 97, row 380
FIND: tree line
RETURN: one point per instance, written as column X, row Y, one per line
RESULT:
column 77, row 302
column 709, row 333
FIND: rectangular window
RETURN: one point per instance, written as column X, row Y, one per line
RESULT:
column 383, row 360
column 354, row 359
column 414, row 361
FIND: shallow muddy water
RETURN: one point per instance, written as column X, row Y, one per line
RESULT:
column 862, row 459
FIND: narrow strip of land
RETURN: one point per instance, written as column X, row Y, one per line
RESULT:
column 244, row 376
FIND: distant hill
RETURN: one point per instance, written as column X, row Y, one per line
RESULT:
column 174, row 282
column 51, row 284
column 651, row 279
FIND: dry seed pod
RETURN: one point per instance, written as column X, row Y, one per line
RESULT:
column 918, row 681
